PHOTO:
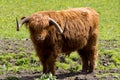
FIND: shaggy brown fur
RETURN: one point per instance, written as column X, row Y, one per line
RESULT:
column 80, row 34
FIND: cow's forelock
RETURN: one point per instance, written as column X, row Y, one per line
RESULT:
column 38, row 21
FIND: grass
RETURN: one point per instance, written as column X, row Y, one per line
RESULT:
column 109, row 32
column 48, row 76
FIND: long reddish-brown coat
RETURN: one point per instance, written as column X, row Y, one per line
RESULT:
column 80, row 26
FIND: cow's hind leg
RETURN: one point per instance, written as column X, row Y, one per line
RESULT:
column 91, row 49
column 92, row 58
column 89, row 53
column 88, row 57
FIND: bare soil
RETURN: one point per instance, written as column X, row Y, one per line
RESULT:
column 12, row 46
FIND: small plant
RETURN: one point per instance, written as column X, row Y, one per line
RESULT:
column 48, row 76
column 62, row 65
column 74, row 56
column 12, row 78
column 23, row 61
column 5, row 69
column 74, row 67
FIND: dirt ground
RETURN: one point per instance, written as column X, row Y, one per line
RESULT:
column 12, row 46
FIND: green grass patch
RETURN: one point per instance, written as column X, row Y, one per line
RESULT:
column 11, row 62
column 62, row 65
column 48, row 76
column 117, row 75
column 110, row 59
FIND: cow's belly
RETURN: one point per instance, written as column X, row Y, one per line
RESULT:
column 70, row 45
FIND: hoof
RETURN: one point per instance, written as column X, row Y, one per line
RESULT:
column 83, row 72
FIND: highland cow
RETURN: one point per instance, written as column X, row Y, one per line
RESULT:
column 56, row 32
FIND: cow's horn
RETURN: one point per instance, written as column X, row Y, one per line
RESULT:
column 21, row 22
column 56, row 25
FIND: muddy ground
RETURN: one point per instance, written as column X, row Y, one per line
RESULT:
column 12, row 46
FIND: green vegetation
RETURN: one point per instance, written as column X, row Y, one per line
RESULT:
column 12, row 78
column 109, row 33
column 48, row 76
column 18, row 62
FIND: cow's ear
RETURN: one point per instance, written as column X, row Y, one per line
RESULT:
column 23, row 17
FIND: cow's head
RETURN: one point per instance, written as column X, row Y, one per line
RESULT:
column 38, row 23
